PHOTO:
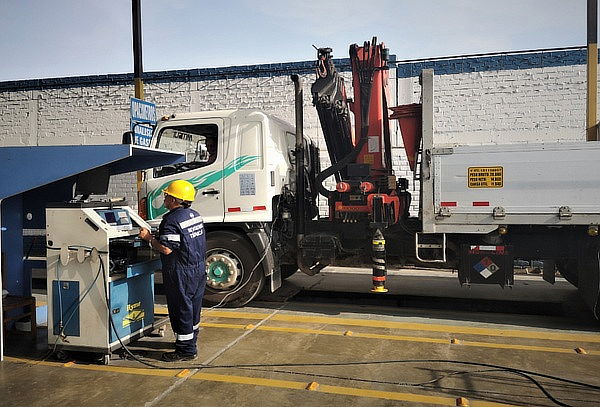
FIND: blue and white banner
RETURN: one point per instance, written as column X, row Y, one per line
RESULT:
column 143, row 120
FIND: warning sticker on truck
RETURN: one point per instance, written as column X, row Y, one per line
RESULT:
column 486, row 177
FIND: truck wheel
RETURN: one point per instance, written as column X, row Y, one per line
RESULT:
column 568, row 269
column 231, row 273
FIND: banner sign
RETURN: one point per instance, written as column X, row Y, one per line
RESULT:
column 143, row 120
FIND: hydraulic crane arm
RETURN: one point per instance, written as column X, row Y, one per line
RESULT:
column 329, row 98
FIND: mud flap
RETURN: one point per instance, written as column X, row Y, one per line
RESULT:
column 549, row 271
column 275, row 280
column 260, row 240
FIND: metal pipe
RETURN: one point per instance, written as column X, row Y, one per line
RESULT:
column 1, row 289
column 592, row 71
column 136, row 15
column 138, row 70
column 299, row 153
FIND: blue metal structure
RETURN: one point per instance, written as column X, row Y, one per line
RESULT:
column 47, row 174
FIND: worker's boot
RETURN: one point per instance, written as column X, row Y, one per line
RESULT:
column 178, row 356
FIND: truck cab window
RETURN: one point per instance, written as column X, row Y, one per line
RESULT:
column 197, row 141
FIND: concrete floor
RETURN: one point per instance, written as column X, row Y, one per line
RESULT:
column 278, row 330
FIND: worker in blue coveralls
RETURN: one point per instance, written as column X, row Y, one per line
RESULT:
column 182, row 246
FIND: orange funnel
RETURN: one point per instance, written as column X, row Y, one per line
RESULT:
column 409, row 117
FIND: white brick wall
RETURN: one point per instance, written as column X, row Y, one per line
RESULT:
column 521, row 105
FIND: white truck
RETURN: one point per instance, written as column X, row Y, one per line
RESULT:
column 480, row 207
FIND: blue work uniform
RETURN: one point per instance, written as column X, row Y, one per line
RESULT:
column 184, row 273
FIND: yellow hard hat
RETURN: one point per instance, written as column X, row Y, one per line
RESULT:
column 181, row 189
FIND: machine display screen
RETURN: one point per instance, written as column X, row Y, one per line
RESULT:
column 110, row 217
column 116, row 217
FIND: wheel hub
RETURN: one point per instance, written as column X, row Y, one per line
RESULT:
column 222, row 270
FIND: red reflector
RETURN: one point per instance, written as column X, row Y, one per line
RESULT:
column 378, row 278
column 481, row 203
column 259, row 208
column 342, row 187
column 366, row 187
column 238, row 209
column 447, row 203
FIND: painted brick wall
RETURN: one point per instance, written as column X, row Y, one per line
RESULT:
column 510, row 98
column 524, row 97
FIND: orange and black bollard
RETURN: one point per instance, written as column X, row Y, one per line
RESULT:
column 379, row 270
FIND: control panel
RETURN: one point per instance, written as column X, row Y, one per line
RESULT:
column 118, row 218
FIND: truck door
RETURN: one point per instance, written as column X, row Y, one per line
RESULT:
column 202, row 143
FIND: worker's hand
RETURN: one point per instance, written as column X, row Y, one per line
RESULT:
column 145, row 234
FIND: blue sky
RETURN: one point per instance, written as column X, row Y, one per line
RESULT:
column 55, row 38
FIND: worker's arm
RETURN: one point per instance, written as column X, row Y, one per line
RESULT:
column 154, row 243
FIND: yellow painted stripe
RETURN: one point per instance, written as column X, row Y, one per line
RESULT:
column 256, row 381
column 214, row 325
column 128, row 370
column 341, row 390
column 410, row 397
column 282, row 384
column 418, row 339
column 411, row 326
column 33, row 362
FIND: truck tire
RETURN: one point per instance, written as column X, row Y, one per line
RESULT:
column 232, row 277
column 569, row 270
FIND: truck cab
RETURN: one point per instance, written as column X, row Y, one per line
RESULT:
column 237, row 160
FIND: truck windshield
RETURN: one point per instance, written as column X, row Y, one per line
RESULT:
column 197, row 141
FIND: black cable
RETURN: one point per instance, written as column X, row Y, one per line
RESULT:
column 50, row 352
column 112, row 323
column 379, row 362
column 357, row 379
column 523, row 373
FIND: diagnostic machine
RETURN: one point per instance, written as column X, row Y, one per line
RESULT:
column 100, row 277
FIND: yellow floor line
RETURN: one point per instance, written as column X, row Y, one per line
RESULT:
column 411, row 326
column 403, row 338
column 128, row 370
column 282, row 384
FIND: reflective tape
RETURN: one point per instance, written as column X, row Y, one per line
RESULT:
column 185, row 337
column 171, row 238
column 190, row 222
column 247, row 208
column 197, row 326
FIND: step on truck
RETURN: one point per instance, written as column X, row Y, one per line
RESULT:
column 480, row 207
